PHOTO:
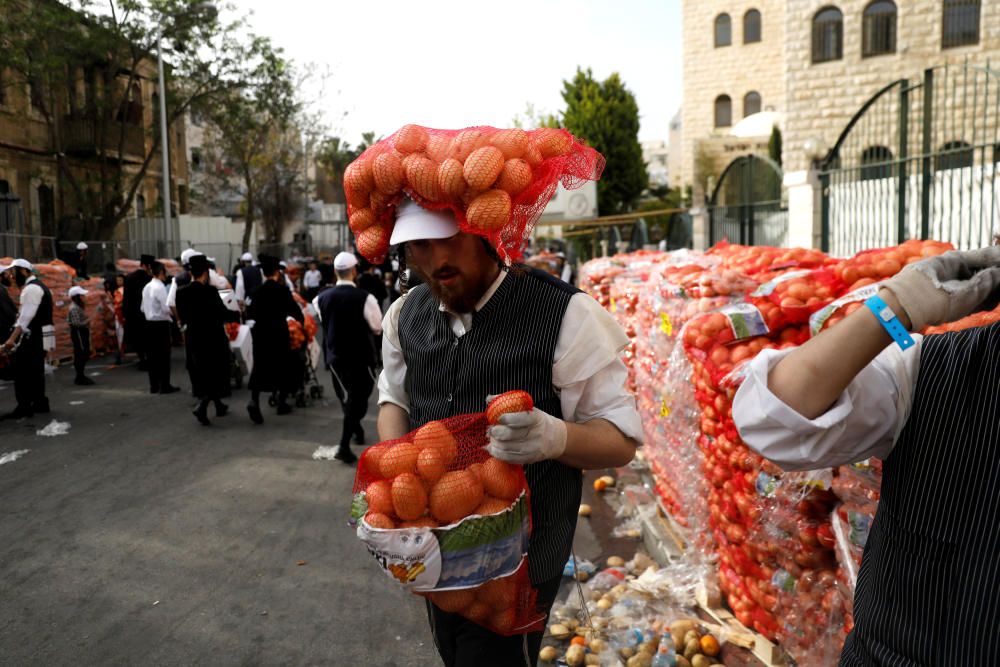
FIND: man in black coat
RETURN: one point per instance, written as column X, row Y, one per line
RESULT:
column 369, row 281
column 8, row 315
column 135, row 322
column 200, row 308
column 276, row 367
column 351, row 318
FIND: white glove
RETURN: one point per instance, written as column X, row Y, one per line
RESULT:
column 527, row 437
column 947, row 287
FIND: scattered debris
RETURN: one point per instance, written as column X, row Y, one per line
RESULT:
column 156, row 603
column 301, row 562
column 10, row 457
column 325, row 453
column 76, row 402
column 54, row 428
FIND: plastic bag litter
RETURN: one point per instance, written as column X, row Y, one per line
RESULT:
column 574, row 565
column 324, row 453
column 10, row 457
column 54, row 427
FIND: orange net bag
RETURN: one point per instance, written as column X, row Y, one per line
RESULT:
column 496, row 181
column 296, row 335
column 449, row 522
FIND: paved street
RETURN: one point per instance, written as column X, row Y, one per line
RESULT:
column 144, row 538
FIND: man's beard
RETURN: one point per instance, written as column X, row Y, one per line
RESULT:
column 21, row 279
column 461, row 298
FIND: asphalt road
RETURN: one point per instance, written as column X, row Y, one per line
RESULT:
column 141, row 537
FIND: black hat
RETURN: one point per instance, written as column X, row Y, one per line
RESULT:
column 198, row 264
column 268, row 264
column 146, row 260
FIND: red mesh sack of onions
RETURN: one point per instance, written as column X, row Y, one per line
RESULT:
column 882, row 263
column 449, row 522
column 496, row 181
column 798, row 294
column 296, row 335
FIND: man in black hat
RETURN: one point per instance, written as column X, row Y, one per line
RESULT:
column 275, row 366
column 34, row 315
column 204, row 316
column 135, row 322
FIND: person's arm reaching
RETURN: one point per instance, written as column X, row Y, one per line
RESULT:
column 373, row 315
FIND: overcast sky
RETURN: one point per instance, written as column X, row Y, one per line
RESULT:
column 450, row 64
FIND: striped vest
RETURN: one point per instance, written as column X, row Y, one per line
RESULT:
column 511, row 346
column 928, row 590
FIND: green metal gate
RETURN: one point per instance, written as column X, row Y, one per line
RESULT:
column 918, row 160
column 746, row 206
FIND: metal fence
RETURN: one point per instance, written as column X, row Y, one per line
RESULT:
column 918, row 160
column 746, row 206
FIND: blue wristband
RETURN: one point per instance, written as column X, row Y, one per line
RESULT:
column 887, row 318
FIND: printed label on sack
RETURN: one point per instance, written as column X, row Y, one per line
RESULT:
column 664, row 408
column 614, row 307
column 745, row 319
column 860, row 525
column 666, row 326
column 767, row 288
column 411, row 556
column 819, row 318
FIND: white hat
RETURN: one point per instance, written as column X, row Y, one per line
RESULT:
column 246, row 257
column 414, row 222
column 211, row 260
column 76, row 290
column 5, row 267
column 188, row 254
column 81, row 246
column 344, row 261
column 22, row 264
column 283, row 264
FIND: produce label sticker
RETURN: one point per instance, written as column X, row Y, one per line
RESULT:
column 614, row 308
column 819, row 318
column 410, row 556
column 860, row 525
column 767, row 288
column 664, row 408
column 666, row 326
column 745, row 319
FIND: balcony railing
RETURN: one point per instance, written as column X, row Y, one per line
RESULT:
column 82, row 137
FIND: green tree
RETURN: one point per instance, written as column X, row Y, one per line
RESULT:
column 605, row 114
column 85, row 67
column 334, row 154
column 532, row 118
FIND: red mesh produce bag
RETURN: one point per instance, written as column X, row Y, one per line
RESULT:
column 446, row 520
column 296, row 335
column 881, row 263
column 798, row 294
column 496, row 181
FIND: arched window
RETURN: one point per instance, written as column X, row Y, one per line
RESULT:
column 959, row 23
column 875, row 163
column 723, row 30
column 953, row 155
column 4, row 187
column 827, row 35
column 751, row 103
column 878, row 29
column 723, row 111
column 751, row 26
column 140, row 206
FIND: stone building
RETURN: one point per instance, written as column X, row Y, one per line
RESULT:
column 656, row 155
column 88, row 139
column 734, row 60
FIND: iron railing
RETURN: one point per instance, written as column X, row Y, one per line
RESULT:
column 746, row 206
column 918, row 160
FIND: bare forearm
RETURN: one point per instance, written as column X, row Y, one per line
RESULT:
column 393, row 422
column 811, row 378
column 596, row 444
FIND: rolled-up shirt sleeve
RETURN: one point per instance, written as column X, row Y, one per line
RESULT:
column 373, row 315
column 392, row 379
column 588, row 371
column 864, row 422
column 31, row 298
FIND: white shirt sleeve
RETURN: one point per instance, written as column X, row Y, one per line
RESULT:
column 373, row 315
column 865, row 421
column 217, row 280
column 172, row 294
column 240, row 290
column 315, row 305
column 392, row 380
column 588, row 370
column 31, row 298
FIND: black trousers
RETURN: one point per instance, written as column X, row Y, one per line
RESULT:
column 29, row 375
column 353, row 386
column 81, row 348
column 157, row 345
column 462, row 643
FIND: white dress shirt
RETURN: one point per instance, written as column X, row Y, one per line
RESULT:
column 373, row 314
column 587, row 371
column 31, row 298
column 240, row 289
column 865, row 421
column 312, row 279
column 154, row 301
column 214, row 279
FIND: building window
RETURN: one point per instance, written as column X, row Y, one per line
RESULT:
column 953, row 155
column 723, row 30
column 140, row 206
column 751, row 103
column 878, row 29
column 960, row 23
column 751, row 26
column 196, row 159
column 828, row 35
column 46, row 210
column 723, row 111
column 875, row 163
column 4, row 187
